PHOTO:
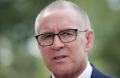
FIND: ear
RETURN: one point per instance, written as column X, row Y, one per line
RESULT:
column 89, row 40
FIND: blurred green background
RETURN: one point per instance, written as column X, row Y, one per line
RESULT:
column 19, row 54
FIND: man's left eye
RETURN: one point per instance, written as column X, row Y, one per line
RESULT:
column 66, row 34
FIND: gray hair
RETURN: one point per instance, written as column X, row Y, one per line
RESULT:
column 62, row 4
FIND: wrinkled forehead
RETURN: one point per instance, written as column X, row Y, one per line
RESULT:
column 62, row 14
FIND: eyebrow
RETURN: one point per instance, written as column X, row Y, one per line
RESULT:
column 58, row 32
column 46, row 33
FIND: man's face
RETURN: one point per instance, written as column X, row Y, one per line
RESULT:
column 64, row 58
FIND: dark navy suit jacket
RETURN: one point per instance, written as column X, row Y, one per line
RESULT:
column 97, row 74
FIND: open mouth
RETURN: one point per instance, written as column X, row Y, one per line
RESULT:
column 59, row 57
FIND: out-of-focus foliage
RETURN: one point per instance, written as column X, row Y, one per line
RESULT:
column 19, row 54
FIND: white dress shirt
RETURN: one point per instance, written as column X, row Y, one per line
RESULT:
column 86, row 73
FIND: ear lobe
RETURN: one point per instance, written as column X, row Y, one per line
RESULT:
column 89, row 40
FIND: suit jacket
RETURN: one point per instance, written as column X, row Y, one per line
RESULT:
column 97, row 74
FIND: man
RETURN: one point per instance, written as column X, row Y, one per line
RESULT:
column 65, row 37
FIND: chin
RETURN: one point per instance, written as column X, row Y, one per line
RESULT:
column 62, row 70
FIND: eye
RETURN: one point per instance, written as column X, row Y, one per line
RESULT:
column 46, row 37
column 67, row 33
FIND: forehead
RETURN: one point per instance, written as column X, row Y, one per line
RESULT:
column 59, row 19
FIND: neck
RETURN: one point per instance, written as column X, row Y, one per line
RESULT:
column 76, row 72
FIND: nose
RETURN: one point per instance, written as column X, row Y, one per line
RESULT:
column 57, row 44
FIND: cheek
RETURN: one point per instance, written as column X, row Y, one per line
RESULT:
column 77, row 49
column 77, row 55
column 45, row 54
column 78, row 45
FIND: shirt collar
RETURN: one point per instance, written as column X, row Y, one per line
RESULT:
column 86, row 73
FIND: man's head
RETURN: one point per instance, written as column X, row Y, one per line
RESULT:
column 64, row 38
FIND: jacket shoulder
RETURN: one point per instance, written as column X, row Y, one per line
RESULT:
column 97, row 74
